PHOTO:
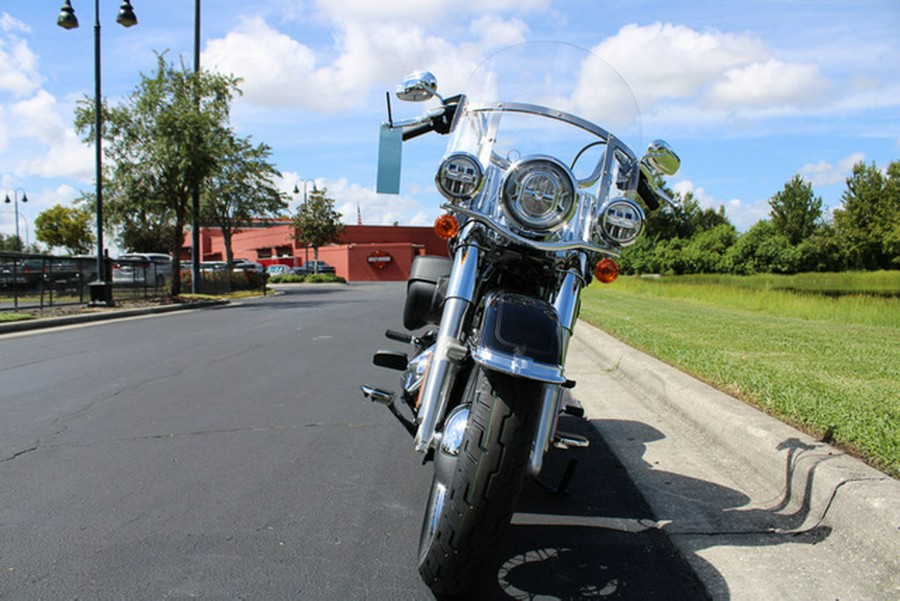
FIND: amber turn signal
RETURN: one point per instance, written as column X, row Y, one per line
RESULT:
column 606, row 271
column 446, row 226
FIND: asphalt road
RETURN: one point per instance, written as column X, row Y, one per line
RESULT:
column 228, row 453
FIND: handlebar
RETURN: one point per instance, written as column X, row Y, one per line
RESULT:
column 438, row 120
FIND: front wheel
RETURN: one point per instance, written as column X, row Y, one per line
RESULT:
column 473, row 493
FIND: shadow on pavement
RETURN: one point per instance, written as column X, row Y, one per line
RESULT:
column 599, row 540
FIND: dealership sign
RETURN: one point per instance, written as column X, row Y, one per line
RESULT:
column 379, row 259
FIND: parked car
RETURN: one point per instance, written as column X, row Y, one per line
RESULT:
column 279, row 270
column 21, row 273
column 214, row 266
column 245, row 265
column 310, row 267
column 71, row 273
column 142, row 269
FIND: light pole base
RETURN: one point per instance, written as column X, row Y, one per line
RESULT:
column 101, row 294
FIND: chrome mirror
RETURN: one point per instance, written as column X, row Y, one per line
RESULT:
column 417, row 87
column 662, row 158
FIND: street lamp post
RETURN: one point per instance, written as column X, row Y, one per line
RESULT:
column 15, row 202
column 195, row 193
column 101, row 290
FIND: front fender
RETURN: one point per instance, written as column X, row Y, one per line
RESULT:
column 520, row 336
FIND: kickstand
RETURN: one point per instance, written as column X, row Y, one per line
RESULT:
column 563, row 487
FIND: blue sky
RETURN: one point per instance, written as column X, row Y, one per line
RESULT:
column 749, row 93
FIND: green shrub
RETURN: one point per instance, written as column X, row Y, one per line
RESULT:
column 325, row 278
column 290, row 278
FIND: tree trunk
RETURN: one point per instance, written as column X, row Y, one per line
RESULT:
column 229, row 251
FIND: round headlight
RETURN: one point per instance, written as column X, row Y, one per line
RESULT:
column 459, row 177
column 538, row 195
column 621, row 221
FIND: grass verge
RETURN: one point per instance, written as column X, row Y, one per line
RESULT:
column 829, row 365
column 10, row 317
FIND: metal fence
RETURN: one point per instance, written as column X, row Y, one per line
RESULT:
column 33, row 281
column 217, row 278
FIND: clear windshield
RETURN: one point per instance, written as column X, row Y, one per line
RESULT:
column 565, row 84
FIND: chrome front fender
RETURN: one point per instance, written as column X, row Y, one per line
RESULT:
column 520, row 336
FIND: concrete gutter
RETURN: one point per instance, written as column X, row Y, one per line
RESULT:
column 103, row 315
column 759, row 509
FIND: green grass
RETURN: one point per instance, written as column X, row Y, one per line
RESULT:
column 829, row 365
column 10, row 317
column 883, row 283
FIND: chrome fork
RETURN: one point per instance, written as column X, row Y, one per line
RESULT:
column 566, row 305
column 449, row 350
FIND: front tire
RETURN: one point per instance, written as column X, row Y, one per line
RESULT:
column 473, row 494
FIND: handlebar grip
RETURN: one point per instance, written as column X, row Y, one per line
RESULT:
column 414, row 132
column 645, row 191
column 398, row 336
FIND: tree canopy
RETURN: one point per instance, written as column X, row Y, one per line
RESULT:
column 869, row 218
column 316, row 222
column 795, row 210
column 163, row 141
column 240, row 189
column 65, row 227
column 864, row 233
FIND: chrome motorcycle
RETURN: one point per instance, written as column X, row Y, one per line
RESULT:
column 540, row 198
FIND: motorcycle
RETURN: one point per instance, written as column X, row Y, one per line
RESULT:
column 540, row 199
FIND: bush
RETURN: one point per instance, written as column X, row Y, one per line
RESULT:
column 290, row 278
column 218, row 281
column 325, row 278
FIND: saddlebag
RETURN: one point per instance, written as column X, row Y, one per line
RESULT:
column 425, row 291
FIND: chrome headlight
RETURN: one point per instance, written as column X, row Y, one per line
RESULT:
column 538, row 195
column 621, row 221
column 459, row 177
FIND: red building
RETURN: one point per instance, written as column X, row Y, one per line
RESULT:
column 362, row 253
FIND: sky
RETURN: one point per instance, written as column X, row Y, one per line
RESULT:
column 748, row 92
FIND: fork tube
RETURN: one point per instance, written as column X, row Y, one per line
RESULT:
column 550, row 401
column 449, row 350
column 566, row 305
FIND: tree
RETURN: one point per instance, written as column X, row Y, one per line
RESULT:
column 316, row 222
column 163, row 142
column 10, row 242
column 669, row 231
column 241, row 189
column 869, row 217
column 795, row 211
column 66, row 227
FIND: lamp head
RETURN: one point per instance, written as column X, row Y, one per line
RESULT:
column 126, row 17
column 67, row 18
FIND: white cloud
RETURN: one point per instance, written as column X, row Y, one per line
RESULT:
column 376, row 209
column 44, row 144
column 733, row 74
column 824, row 173
column 67, row 156
column 673, row 61
column 18, row 64
column 279, row 71
column 770, row 84
column 37, row 117
column 421, row 12
column 275, row 68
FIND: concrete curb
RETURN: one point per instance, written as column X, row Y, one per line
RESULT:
column 731, row 483
column 78, row 318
